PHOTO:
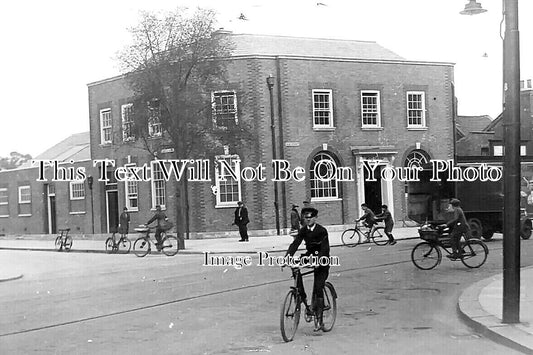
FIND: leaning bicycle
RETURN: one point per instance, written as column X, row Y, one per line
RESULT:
column 122, row 245
column 143, row 245
column 291, row 308
column 427, row 254
column 63, row 240
column 352, row 237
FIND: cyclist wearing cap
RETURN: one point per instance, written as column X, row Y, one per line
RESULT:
column 458, row 225
column 317, row 244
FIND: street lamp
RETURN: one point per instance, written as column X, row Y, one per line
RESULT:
column 270, row 84
column 511, row 164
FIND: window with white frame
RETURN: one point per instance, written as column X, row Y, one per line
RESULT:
column 131, row 192
column 324, row 186
column 24, row 194
column 105, row 126
column 224, row 106
column 370, row 109
column 523, row 151
column 416, row 109
column 497, row 150
column 77, row 190
column 4, row 197
column 154, row 119
column 127, row 122
column 158, row 186
column 228, row 189
column 322, row 109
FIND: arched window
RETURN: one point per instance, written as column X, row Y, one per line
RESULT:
column 322, row 177
column 417, row 157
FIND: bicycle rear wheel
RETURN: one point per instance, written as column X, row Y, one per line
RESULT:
column 68, row 243
column 169, row 245
column 329, row 314
column 426, row 256
column 475, row 253
column 379, row 237
column 109, row 246
column 58, row 243
column 350, row 237
column 141, row 247
column 290, row 316
column 124, row 245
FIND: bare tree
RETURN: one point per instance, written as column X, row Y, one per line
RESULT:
column 14, row 160
column 174, row 62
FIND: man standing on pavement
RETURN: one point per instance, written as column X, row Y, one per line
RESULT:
column 241, row 220
column 124, row 224
column 295, row 220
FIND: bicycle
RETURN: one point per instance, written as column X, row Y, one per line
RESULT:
column 352, row 237
column 427, row 254
column 143, row 246
column 291, row 308
column 113, row 246
column 63, row 240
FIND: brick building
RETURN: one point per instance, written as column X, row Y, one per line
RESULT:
column 31, row 205
column 336, row 100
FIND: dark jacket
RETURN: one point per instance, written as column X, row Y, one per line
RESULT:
column 458, row 220
column 124, row 223
column 369, row 217
column 316, row 241
column 295, row 219
column 387, row 218
column 241, row 218
column 160, row 216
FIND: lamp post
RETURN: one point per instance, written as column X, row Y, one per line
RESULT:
column 511, row 164
column 270, row 84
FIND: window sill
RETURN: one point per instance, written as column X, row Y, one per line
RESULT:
column 77, row 212
column 417, row 128
column 163, row 208
column 133, row 210
column 372, row 128
column 227, row 206
column 77, row 198
column 4, row 216
column 326, row 199
column 323, row 129
column 106, row 144
column 25, row 215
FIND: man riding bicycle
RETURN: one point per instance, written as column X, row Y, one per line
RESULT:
column 161, row 219
column 369, row 219
column 317, row 244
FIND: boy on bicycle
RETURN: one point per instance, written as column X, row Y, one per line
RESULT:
column 317, row 244
column 160, row 217
column 369, row 220
column 459, row 227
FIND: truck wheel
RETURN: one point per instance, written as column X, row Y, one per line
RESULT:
column 476, row 230
column 525, row 231
column 488, row 235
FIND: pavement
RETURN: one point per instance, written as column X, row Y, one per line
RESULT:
column 480, row 305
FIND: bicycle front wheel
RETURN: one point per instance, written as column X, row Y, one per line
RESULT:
column 170, row 245
column 68, row 243
column 141, row 247
column 329, row 314
column 379, row 237
column 350, row 237
column 124, row 245
column 59, row 243
column 290, row 316
column 475, row 253
column 426, row 256
column 109, row 246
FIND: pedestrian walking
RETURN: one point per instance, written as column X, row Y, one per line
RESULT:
column 295, row 220
column 386, row 217
column 241, row 220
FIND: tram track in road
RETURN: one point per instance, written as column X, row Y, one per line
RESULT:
column 200, row 296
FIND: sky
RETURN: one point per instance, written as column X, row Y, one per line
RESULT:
column 52, row 49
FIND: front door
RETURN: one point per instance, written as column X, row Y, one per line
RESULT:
column 373, row 191
column 112, row 210
column 51, row 210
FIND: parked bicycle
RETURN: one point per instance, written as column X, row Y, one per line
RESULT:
column 352, row 237
column 143, row 245
column 292, row 307
column 427, row 254
column 63, row 240
column 113, row 246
